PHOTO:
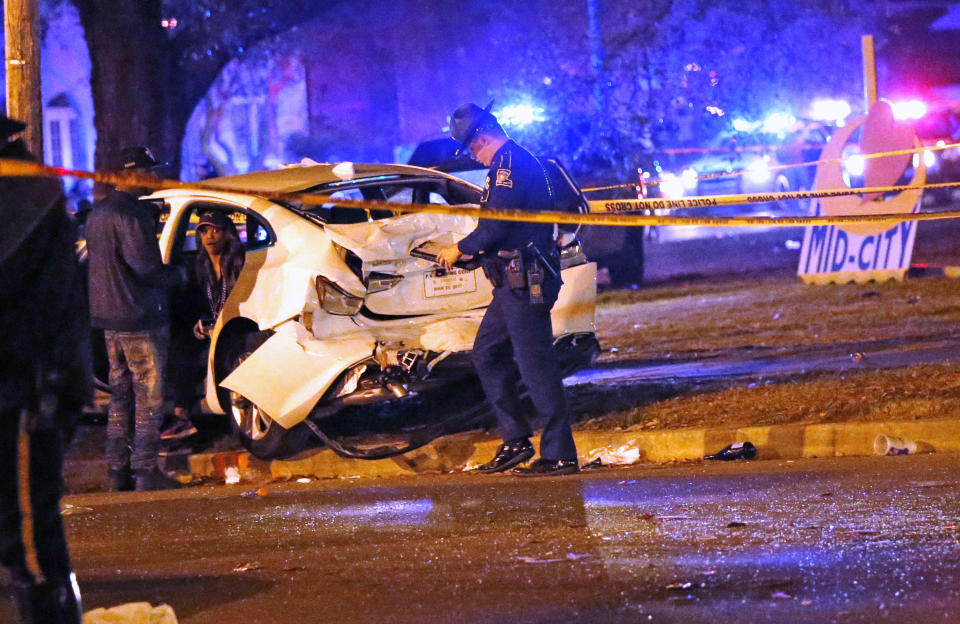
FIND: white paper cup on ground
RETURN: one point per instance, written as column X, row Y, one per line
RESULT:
column 231, row 475
column 893, row 445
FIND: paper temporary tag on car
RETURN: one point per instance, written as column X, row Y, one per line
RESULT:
column 503, row 178
column 454, row 282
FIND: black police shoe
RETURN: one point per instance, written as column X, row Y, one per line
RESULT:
column 55, row 603
column 509, row 455
column 548, row 467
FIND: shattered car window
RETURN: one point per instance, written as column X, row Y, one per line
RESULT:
column 407, row 191
column 333, row 213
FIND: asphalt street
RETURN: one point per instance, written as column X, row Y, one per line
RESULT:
column 828, row 540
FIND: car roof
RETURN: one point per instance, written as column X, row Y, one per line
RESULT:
column 302, row 177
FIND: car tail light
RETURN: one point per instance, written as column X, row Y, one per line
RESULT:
column 335, row 300
column 572, row 255
column 379, row 282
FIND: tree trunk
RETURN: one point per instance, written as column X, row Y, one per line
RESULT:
column 23, row 70
column 146, row 84
column 129, row 76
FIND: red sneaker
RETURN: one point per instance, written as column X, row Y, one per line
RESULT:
column 180, row 429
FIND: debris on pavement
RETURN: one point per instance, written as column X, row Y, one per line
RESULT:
column 66, row 509
column 615, row 455
column 575, row 556
column 592, row 465
column 738, row 450
column 248, row 567
column 132, row 613
column 893, row 445
column 259, row 492
column 930, row 484
column 231, row 476
column 535, row 560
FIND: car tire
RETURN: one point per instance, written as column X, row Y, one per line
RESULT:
column 256, row 431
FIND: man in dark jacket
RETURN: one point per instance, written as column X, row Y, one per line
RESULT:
column 515, row 341
column 44, row 378
column 129, row 300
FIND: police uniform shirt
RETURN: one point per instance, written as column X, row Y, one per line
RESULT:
column 516, row 181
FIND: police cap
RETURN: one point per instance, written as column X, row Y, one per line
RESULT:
column 467, row 121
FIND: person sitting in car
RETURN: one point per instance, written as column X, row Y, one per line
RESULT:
column 219, row 261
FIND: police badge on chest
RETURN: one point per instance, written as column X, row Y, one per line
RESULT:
column 503, row 178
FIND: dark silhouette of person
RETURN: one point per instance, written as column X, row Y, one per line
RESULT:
column 45, row 379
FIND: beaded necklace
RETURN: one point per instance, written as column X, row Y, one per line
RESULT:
column 217, row 304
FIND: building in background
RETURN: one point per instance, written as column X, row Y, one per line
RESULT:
column 369, row 85
column 69, row 137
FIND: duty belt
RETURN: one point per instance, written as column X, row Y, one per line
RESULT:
column 520, row 269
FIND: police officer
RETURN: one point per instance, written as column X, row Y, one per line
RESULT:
column 44, row 379
column 515, row 341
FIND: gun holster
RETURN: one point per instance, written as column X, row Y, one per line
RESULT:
column 491, row 268
column 520, row 273
column 514, row 269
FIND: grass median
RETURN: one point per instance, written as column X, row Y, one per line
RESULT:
column 767, row 318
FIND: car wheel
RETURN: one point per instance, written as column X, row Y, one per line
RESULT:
column 257, row 432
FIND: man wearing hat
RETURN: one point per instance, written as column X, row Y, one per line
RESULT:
column 129, row 289
column 44, row 379
column 515, row 341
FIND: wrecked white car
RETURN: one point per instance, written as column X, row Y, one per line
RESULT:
column 332, row 310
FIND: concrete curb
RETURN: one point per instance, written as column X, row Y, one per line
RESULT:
column 465, row 451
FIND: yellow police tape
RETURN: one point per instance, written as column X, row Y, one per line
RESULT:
column 648, row 203
column 604, row 212
column 812, row 163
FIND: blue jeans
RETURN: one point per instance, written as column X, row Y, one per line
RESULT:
column 137, row 364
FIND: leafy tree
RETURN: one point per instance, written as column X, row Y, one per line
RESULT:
column 751, row 57
column 662, row 63
column 147, row 78
column 666, row 61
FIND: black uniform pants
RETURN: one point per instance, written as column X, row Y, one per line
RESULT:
column 515, row 344
column 46, row 485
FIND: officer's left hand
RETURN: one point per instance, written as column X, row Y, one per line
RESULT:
column 448, row 255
